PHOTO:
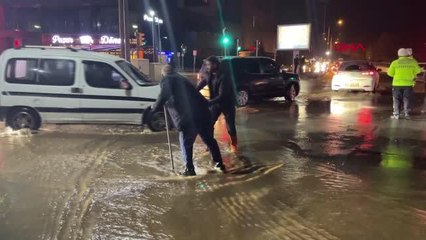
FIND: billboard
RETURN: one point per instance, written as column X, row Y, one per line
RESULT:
column 294, row 37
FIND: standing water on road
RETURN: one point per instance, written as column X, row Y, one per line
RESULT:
column 326, row 167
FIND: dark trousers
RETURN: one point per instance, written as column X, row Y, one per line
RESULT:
column 401, row 95
column 229, row 113
column 187, row 138
column 296, row 68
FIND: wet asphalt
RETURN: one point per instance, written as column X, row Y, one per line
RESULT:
column 329, row 166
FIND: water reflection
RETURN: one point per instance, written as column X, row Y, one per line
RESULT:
column 327, row 169
column 397, row 156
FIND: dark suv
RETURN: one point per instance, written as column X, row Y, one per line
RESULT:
column 259, row 77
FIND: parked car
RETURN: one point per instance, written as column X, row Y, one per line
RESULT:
column 356, row 75
column 63, row 85
column 260, row 77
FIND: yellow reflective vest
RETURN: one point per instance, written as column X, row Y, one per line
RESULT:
column 404, row 71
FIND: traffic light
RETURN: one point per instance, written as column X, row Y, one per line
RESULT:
column 239, row 48
column 141, row 39
column 226, row 40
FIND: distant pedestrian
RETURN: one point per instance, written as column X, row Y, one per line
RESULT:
column 302, row 63
column 222, row 97
column 296, row 63
column 404, row 71
column 191, row 116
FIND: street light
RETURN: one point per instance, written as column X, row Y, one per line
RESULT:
column 151, row 18
column 340, row 22
column 134, row 26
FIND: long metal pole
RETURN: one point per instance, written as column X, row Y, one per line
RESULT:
column 238, row 46
column 257, row 48
column 123, row 17
column 183, row 62
column 325, row 18
column 121, row 28
column 160, row 48
column 328, row 36
column 126, row 29
column 168, row 139
column 154, row 51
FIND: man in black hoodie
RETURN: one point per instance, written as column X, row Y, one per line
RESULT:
column 190, row 114
column 222, row 96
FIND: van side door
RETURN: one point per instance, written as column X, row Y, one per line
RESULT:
column 108, row 97
column 45, row 84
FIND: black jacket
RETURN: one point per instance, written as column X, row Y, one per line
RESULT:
column 186, row 106
column 221, row 90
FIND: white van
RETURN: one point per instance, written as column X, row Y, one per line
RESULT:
column 64, row 85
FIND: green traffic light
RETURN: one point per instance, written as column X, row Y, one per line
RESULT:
column 239, row 48
column 225, row 40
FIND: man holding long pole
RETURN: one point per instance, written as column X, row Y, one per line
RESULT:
column 191, row 116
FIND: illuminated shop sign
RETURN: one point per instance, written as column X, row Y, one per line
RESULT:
column 109, row 40
column 85, row 40
column 62, row 40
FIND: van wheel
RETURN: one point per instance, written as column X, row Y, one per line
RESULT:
column 242, row 98
column 291, row 93
column 23, row 118
column 157, row 122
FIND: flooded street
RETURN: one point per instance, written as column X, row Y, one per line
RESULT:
column 330, row 166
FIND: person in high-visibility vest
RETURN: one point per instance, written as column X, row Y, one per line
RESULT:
column 404, row 71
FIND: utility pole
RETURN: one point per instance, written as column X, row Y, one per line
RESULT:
column 225, row 41
column 238, row 47
column 159, row 37
column 154, row 50
column 123, row 20
column 257, row 48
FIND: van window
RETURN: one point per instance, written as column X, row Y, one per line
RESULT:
column 22, row 71
column 56, row 72
column 133, row 72
column 102, row 75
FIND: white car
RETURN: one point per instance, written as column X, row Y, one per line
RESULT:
column 50, row 85
column 356, row 75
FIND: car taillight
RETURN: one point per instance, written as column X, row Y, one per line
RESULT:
column 371, row 73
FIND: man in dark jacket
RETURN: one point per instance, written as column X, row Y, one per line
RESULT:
column 190, row 114
column 222, row 96
column 296, row 62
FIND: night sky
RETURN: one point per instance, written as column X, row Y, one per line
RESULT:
column 360, row 15
column 381, row 15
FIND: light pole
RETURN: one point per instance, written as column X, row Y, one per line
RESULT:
column 154, row 55
column 159, row 22
column 154, row 20
column 123, row 12
column 225, row 41
column 340, row 23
